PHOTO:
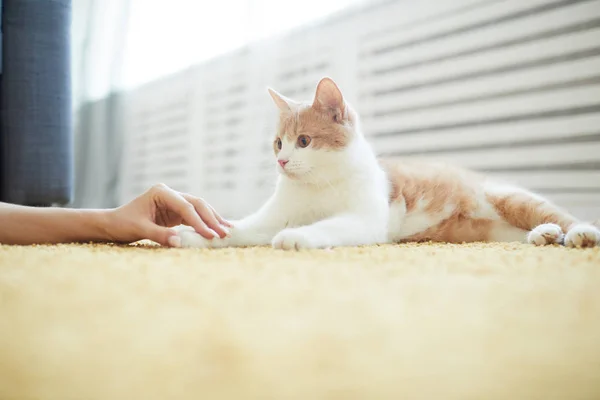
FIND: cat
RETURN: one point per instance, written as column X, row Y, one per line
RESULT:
column 332, row 190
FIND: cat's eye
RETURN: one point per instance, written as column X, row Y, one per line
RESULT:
column 278, row 143
column 303, row 141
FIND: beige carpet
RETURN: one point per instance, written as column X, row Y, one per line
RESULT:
column 393, row 322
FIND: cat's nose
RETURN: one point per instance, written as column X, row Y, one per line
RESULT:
column 282, row 163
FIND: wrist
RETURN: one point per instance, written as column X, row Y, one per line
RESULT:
column 100, row 225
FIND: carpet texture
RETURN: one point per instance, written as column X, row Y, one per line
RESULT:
column 418, row 321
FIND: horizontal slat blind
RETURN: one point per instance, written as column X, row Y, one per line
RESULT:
column 157, row 137
column 508, row 87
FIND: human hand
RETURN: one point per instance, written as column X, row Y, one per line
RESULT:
column 152, row 214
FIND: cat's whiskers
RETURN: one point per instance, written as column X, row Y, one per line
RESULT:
column 331, row 185
column 318, row 180
column 312, row 176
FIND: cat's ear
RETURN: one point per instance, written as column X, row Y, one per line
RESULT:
column 328, row 97
column 284, row 104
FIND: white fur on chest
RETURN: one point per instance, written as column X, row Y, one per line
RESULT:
column 306, row 205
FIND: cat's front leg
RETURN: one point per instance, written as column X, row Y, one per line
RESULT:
column 188, row 237
column 240, row 235
column 343, row 230
column 255, row 230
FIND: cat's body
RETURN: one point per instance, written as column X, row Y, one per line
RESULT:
column 333, row 191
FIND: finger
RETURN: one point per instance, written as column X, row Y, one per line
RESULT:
column 163, row 236
column 222, row 220
column 207, row 215
column 187, row 211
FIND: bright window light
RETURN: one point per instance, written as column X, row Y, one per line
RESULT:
column 164, row 37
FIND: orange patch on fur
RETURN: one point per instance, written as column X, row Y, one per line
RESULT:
column 440, row 187
column 526, row 212
column 458, row 228
column 437, row 184
column 324, row 132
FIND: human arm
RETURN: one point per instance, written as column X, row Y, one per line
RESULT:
column 149, row 216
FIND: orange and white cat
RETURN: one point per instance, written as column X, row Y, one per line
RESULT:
column 332, row 190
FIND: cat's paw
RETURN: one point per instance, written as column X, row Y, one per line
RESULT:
column 191, row 239
column 545, row 234
column 583, row 235
column 294, row 239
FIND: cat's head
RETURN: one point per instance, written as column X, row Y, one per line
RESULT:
column 312, row 139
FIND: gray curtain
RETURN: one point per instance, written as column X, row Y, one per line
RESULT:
column 35, row 103
column 99, row 124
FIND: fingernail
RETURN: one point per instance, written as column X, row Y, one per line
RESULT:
column 228, row 223
column 215, row 234
column 174, row 241
column 227, row 232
